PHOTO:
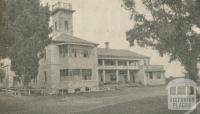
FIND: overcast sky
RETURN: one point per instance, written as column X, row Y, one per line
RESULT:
column 106, row 20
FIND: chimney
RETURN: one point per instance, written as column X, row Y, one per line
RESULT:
column 107, row 45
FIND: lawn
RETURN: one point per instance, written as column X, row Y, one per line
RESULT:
column 151, row 105
column 133, row 100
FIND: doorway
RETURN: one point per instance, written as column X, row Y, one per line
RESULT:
column 132, row 76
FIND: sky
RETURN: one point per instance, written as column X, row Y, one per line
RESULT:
column 102, row 21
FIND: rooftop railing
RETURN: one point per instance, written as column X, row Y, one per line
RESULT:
column 61, row 5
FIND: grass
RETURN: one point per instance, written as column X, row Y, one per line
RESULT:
column 153, row 105
column 138, row 100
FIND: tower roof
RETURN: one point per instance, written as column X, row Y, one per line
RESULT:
column 69, row 39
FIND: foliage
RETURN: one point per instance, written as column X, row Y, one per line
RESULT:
column 3, row 41
column 26, row 35
column 169, row 30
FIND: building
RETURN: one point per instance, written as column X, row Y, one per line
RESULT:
column 9, row 80
column 72, row 64
column 124, row 66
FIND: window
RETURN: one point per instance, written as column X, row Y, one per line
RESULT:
column 85, row 54
column 100, row 62
column 122, row 63
column 87, row 74
column 109, row 62
column 113, row 78
column 158, row 74
column 70, row 73
column 63, row 51
column 76, row 72
column 79, row 52
column 45, row 77
column 133, row 63
column 63, row 72
column 150, row 75
column 74, row 53
column 66, row 25
column 56, row 26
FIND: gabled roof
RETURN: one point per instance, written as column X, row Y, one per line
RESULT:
column 66, row 38
column 119, row 53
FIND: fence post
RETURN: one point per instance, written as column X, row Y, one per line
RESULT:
column 29, row 92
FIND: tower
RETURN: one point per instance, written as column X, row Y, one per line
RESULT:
column 62, row 18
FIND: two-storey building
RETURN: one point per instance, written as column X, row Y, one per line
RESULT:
column 72, row 64
column 124, row 66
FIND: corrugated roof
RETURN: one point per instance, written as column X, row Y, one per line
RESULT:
column 102, row 52
column 66, row 38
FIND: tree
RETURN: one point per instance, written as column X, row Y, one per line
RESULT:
column 169, row 30
column 3, row 41
column 27, row 30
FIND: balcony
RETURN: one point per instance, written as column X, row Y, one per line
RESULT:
column 60, row 5
column 110, row 67
column 133, row 67
column 119, row 67
column 154, row 68
column 118, row 64
column 122, row 67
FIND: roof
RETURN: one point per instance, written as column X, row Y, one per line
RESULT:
column 103, row 52
column 66, row 38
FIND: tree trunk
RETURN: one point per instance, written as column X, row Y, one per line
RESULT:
column 192, row 70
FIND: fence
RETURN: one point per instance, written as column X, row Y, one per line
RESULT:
column 23, row 92
column 44, row 91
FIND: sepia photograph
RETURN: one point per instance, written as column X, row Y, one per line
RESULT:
column 99, row 56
